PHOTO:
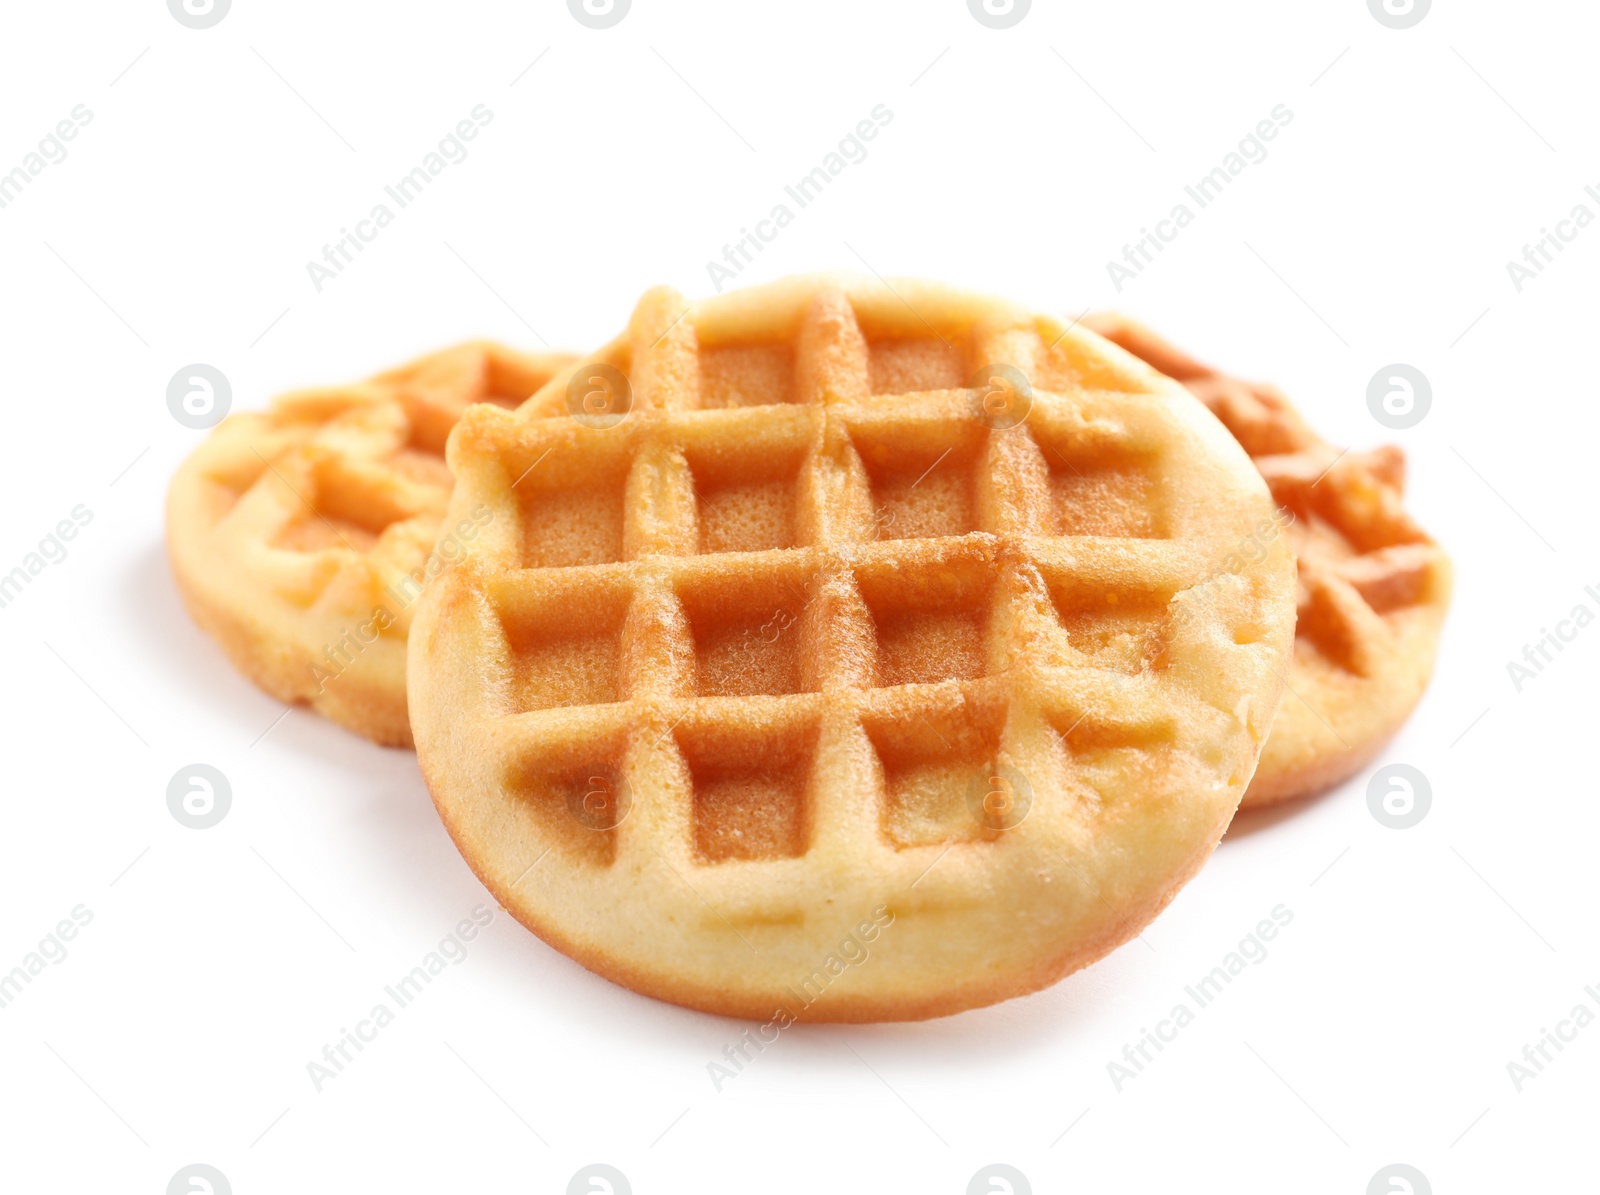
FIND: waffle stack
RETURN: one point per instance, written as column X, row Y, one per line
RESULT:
column 833, row 650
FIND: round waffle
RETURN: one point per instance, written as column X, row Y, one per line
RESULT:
column 851, row 652
column 1374, row 587
column 300, row 536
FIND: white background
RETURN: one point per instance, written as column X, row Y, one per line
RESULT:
column 218, row 963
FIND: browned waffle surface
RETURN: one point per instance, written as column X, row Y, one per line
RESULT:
column 795, row 632
column 300, row 536
column 1373, row 589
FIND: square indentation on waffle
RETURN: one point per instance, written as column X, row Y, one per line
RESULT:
column 746, row 489
column 922, row 475
column 1107, row 492
column 931, row 618
column 746, row 631
column 564, row 644
column 933, row 759
column 345, row 503
column 571, row 508
column 577, row 794
column 435, row 390
column 1110, row 624
column 907, row 366
column 736, row 375
column 1105, row 751
column 750, row 786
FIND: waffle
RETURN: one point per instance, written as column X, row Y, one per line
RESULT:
column 834, row 679
column 1373, row 586
column 300, row 536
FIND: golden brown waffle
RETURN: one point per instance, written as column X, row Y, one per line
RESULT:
column 1374, row 587
column 822, row 686
column 300, row 536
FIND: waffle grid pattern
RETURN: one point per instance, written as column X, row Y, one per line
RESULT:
column 826, row 628
column 1373, row 586
column 291, row 527
column 1360, row 554
column 846, row 633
